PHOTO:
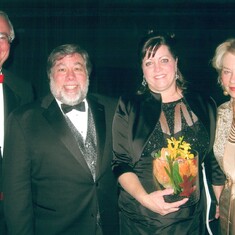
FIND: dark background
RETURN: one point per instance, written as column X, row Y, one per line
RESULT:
column 110, row 30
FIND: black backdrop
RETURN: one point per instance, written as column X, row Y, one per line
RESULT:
column 110, row 30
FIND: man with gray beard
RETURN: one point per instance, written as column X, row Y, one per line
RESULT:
column 57, row 178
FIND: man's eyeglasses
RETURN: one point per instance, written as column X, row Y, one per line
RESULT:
column 5, row 38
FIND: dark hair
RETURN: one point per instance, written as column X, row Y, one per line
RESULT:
column 149, row 46
column 68, row 49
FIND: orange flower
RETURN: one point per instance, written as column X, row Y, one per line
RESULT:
column 193, row 167
column 160, row 173
column 184, row 167
column 187, row 167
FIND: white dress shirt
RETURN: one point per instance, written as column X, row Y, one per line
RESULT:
column 78, row 118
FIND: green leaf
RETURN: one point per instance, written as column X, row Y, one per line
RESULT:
column 176, row 177
column 176, row 174
column 156, row 154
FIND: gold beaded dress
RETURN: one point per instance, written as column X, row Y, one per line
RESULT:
column 224, row 150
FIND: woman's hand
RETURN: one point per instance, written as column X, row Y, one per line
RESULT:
column 153, row 201
column 156, row 203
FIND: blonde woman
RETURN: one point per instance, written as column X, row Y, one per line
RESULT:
column 224, row 146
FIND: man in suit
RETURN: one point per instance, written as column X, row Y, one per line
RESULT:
column 57, row 174
column 13, row 93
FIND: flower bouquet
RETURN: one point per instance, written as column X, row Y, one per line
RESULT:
column 177, row 167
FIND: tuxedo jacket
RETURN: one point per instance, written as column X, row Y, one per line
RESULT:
column 48, row 187
column 16, row 92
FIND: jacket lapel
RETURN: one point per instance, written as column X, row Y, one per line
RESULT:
column 205, row 111
column 145, row 117
column 57, row 121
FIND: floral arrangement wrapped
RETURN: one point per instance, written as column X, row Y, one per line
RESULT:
column 177, row 167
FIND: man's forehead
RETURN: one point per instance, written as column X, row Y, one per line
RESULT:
column 75, row 59
column 74, row 56
column 4, row 25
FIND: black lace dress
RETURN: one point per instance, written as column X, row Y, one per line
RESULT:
column 176, row 120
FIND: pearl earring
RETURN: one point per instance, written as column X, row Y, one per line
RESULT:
column 225, row 93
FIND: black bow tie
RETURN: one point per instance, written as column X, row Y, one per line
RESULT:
column 67, row 108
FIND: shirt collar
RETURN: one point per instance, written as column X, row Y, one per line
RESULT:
column 59, row 103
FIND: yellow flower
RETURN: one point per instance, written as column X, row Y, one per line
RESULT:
column 179, row 148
